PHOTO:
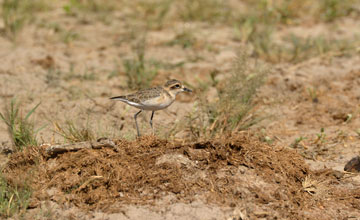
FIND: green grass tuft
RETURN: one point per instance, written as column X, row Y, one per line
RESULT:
column 330, row 10
column 75, row 133
column 21, row 130
column 90, row 6
column 153, row 13
column 213, row 11
column 140, row 72
column 17, row 13
column 89, row 10
column 13, row 199
column 230, row 111
column 185, row 39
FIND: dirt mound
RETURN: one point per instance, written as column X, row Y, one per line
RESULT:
column 238, row 172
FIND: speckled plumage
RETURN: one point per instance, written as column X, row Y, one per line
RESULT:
column 145, row 94
column 153, row 99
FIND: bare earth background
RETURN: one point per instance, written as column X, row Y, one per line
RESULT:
column 70, row 56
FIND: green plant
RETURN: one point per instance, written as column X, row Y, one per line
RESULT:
column 292, row 48
column 89, row 74
column 86, row 10
column 13, row 199
column 304, row 48
column 313, row 95
column 294, row 11
column 261, row 39
column 185, row 39
column 252, row 30
column 13, row 18
column 67, row 36
column 230, row 111
column 75, row 133
column 21, row 130
column 204, row 85
column 235, row 98
column 91, row 6
column 348, row 118
column 53, row 77
column 139, row 72
column 115, row 72
column 264, row 137
column 16, row 13
column 259, row 21
column 244, row 29
column 46, row 212
column 297, row 141
column 321, row 137
column 152, row 12
column 204, row 10
column 332, row 9
column 341, row 135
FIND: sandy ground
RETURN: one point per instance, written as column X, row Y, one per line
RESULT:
column 241, row 177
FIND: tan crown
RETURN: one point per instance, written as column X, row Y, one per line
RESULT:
column 172, row 82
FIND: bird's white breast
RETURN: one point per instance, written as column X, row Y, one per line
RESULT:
column 157, row 103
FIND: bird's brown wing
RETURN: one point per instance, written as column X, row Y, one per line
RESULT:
column 145, row 94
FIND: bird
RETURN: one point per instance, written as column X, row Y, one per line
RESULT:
column 153, row 99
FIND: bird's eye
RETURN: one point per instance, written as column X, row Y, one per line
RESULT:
column 175, row 86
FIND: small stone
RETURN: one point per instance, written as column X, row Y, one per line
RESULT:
column 353, row 165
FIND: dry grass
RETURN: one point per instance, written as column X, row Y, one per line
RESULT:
column 231, row 110
column 73, row 132
column 310, row 185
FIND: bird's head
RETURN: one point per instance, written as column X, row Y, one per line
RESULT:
column 174, row 87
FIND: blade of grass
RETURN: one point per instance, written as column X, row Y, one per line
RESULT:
column 31, row 111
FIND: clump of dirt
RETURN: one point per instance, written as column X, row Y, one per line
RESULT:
column 236, row 171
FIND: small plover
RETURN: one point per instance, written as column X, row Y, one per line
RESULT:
column 153, row 99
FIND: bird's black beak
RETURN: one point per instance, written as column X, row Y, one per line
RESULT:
column 187, row 90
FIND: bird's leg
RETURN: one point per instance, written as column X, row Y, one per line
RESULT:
column 151, row 124
column 137, row 127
